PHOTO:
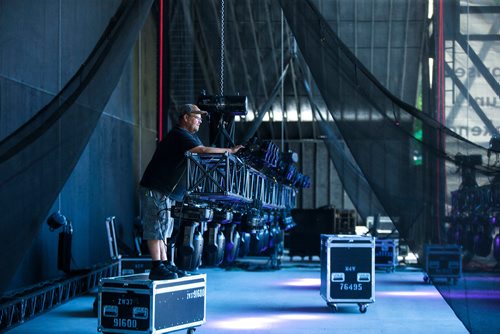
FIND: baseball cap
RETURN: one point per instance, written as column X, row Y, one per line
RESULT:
column 187, row 109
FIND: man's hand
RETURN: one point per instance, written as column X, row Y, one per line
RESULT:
column 235, row 149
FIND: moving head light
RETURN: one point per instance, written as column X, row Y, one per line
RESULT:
column 468, row 160
column 227, row 105
column 495, row 144
column 57, row 220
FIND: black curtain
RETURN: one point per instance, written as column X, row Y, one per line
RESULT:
column 37, row 158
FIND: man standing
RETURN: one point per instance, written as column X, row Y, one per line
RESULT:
column 164, row 182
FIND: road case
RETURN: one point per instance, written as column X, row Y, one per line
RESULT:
column 386, row 253
column 443, row 261
column 136, row 304
column 134, row 265
column 347, row 270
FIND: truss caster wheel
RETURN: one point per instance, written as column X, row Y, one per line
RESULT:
column 332, row 307
column 362, row 308
column 191, row 330
column 426, row 279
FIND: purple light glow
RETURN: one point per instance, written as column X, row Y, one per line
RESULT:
column 244, row 323
column 413, row 294
column 261, row 322
column 472, row 294
column 492, row 279
column 312, row 282
column 299, row 316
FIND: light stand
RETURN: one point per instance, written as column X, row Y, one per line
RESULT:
column 56, row 221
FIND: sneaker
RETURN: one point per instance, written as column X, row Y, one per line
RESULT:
column 161, row 273
column 180, row 273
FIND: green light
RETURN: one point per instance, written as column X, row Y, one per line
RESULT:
column 416, row 148
column 418, row 135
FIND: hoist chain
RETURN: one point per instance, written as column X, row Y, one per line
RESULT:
column 222, row 49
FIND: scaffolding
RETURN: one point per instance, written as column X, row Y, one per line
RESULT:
column 24, row 305
column 226, row 178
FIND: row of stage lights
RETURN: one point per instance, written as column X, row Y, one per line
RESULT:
column 476, row 237
column 230, row 219
column 223, row 218
column 474, row 220
column 266, row 157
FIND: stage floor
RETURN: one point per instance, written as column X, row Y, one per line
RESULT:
column 288, row 301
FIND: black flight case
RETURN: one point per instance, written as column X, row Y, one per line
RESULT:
column 386, row 254
column 136, row 304
column 347, row 270
column 442, row 262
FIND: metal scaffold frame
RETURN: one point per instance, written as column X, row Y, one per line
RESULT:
column 226, row 178
column 27, row 304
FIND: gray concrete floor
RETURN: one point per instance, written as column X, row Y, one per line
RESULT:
column 288, row 301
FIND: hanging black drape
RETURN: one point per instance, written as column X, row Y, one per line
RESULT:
column 37, row 158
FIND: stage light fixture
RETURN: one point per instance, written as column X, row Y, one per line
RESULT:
column 467, row 164
column 495, row 144
column 56, row 220
column 227, row 105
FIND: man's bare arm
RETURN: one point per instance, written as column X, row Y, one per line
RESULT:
column 206, row 149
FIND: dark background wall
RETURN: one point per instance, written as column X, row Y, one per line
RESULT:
column 42, row 45
column 386, row 36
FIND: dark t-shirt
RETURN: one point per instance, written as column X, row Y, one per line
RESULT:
column 166, row 170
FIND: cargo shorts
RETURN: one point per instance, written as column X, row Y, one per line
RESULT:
column 158, row 223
